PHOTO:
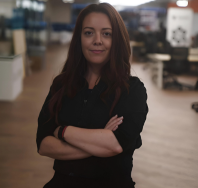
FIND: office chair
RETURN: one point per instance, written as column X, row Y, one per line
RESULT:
column 195, row 104
column 179, row 60
column 150, row 41
column 177, row 65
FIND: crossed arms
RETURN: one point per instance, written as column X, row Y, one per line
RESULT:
column 81, row 143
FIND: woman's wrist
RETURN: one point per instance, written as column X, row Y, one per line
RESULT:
column 61, row 132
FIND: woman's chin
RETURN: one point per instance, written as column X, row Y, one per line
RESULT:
column 97, row 61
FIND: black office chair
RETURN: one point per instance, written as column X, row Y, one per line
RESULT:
column 177, row 65
column 150, row 41
column 179, row 60
column 195, row 104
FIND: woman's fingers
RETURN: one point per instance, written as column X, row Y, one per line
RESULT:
column 114, row 123
column 115, row 128
column 113, row 118
column 117, row 121
column 110, row 121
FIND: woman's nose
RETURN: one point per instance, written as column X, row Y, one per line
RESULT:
column 97, row 39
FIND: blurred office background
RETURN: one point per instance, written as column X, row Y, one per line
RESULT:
column 34, row 41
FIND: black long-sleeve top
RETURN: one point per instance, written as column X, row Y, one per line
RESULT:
column 92, row 113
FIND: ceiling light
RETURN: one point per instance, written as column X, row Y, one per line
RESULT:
column 68, row 1
column 18, row 3
column 126, row 2
column 182, row 3
column 41, row 7
column 26, row 4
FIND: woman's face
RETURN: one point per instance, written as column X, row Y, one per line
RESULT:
column 96, row 38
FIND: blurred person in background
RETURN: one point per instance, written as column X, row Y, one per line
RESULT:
column 2, row 28
column 91, row 120
column 162, row 33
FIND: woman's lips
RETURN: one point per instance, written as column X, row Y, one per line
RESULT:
column 97, row 51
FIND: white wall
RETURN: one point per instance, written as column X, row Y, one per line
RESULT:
column 57, row 11
column 195, row 25
column 6, row 8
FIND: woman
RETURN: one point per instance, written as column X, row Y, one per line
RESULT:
column 91, row 120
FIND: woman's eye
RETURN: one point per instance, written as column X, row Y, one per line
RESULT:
column 107, row 34
column 87, row 33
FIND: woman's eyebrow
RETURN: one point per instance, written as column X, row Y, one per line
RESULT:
column 93, row 28
column 106, row 28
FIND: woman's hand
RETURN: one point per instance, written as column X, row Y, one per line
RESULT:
column 113, row 123
column 56, row 131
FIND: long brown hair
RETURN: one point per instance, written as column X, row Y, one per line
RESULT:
column 115, row 73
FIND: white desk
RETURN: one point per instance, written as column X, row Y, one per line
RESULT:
column 193, row 58
column 157, row 64
column 159, row 57
column 11, row 77
column 193, row 51
column 167, row 57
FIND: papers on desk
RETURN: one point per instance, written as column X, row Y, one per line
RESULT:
column 193, row 58
column 159, row 57
column 136, row 44
column 167, row 57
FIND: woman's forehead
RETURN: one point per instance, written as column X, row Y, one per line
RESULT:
column 96, row 20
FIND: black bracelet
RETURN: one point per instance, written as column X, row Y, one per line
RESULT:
column 60, row 133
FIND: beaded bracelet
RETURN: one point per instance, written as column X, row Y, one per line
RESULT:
column 61, row 132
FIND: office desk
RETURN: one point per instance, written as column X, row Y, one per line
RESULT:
column 11, row 77
column 193, row 51
column 136, row 44
column 158, row 65
column 139, row 46
column 167, row 57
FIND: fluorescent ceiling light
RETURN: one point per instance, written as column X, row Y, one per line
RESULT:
column 126, row 2
column 35, row 5
column 26, row 4
column 18, row 3
column 182, row 3
column 68, row 1
column 41, row 7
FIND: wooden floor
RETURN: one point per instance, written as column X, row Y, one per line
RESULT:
column 168, row 157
